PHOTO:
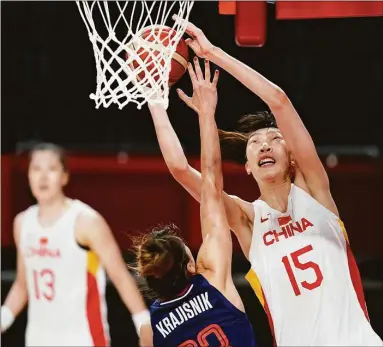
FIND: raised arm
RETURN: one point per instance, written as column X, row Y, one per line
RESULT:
column 214, row 258
column 239, row 212
column 18, row 294
column 173, row 153
column 290, row 124
column 93, row 231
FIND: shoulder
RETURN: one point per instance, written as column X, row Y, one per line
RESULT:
column 17, row 223
column 322, row 194
column 301, row 194
column 18, row 220
column 21, row 216
column 89, row 223
column 88, row 218
column 323, row 201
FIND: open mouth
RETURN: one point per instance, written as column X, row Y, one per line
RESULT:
column 266, row 162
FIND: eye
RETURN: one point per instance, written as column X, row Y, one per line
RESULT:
column 53, row 168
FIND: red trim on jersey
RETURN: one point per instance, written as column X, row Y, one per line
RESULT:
column 356, row 280
column 183, row 291
column 93, row 310
column 270, row 319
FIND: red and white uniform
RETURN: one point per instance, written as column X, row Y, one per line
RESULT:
column 66, row 284
column 304, row 274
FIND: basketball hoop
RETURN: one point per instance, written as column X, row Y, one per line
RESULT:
column 115, row 30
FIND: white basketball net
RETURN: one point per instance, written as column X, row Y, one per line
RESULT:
column 115, row 29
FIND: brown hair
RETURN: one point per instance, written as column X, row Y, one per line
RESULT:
column 233, row 143
column 47, row 146
column 162, row 261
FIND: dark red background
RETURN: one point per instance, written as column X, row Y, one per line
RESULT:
column 138, row 193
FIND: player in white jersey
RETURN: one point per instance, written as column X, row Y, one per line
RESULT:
column 302, row 268
column 64, row 248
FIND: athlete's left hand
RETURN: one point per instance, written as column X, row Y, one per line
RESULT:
column 204, row 98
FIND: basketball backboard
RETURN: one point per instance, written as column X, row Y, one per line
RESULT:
column 250, row 21
column 251, row 16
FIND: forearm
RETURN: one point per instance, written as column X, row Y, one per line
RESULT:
column 14, row 304
column 210, row 153
column 17, row 297
column 170, row 145
column 132, row 298
column 129, row 293
column 270, row 93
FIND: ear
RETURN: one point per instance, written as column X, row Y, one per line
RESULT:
column 292, row 168
column 247, row 168
column 191, row 267
column 65, row 179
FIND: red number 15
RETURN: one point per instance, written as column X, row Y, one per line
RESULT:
column 302, row 266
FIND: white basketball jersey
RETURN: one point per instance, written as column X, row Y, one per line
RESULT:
column 305, row 276
column 66, row 284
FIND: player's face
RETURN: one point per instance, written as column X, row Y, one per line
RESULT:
column 46, row 176
column 268, row 158
column 191, row 264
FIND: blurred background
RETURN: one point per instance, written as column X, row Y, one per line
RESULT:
column 327, row 56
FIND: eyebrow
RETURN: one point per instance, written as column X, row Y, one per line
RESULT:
column 272, row 131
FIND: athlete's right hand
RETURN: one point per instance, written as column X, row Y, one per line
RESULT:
column 204, row 99
column 198, row 42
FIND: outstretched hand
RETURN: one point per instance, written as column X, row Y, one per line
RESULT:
column 198, row 42
column 204, row 98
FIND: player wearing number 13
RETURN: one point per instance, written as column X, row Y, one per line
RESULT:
column 302, row 268
column 64, row 248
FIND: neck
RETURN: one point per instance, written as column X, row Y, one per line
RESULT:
column 52, row 207
column 276, row 194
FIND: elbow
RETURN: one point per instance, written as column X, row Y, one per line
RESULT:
column 213, row 186
column 178, row 170
column 279, row 100
column 177, row 164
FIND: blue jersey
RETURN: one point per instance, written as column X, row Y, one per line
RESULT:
column 202, row 316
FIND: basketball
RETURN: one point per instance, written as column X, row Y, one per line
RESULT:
column 160, row 36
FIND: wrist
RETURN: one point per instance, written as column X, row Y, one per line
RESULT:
column 140, row 319
column 214, row 54
column 7, row 318
column 210, row 113
column 156, row 107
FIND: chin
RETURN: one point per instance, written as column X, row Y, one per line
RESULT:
column 271, row 177
column 44, row 198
